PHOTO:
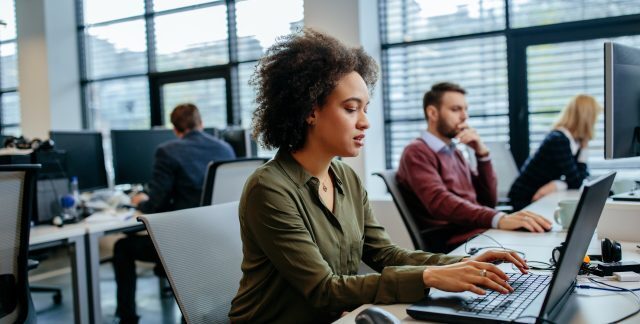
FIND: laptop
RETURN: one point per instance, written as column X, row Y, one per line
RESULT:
column 536, row 297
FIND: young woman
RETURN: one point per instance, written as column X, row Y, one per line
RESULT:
column 305, row 218
column 560, row 161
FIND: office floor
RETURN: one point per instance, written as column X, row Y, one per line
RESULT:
column 55, row 272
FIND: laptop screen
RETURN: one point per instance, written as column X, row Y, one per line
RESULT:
column 583, row 225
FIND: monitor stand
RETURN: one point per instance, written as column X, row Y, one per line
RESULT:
column 633, row 195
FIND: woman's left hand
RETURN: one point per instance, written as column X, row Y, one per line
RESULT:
column 545, row 190
column 498, row 255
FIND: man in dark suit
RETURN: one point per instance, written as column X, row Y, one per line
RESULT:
column 178, row 173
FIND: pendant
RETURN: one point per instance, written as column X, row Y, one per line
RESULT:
column 324, row 187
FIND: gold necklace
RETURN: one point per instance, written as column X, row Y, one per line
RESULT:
column 324, row 186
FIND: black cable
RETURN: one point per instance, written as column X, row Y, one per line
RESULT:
column 475, row 250
column 546, row 265
column 621, row 289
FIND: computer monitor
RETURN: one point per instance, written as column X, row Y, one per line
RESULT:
column 134, row 150
column 133, row 153
column 240, row 140
column 621, row 101
column 85, row 157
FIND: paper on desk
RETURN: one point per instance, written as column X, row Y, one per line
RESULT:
column 110, row 215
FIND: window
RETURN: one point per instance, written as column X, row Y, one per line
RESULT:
column 9, row 99
column 556, row 73
column 480, row 63
column 140, row 58
column 519, row 69
column 525, row 13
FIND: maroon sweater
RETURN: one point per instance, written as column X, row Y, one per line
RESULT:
column 446, row 192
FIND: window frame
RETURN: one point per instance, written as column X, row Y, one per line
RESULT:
column 228, row 71
column 4, row 91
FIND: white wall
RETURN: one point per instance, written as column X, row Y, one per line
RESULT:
column 355, row 22
column 49, row 80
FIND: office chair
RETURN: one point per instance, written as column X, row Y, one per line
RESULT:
column 400, row 199
column 17, row 190
column 506, row 171
column 225, row 180
column 201, row 252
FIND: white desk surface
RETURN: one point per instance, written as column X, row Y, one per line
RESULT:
column 113, row 225
column 594, row 306
column 50, row 233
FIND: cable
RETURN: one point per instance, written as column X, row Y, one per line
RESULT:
column 546, row 265
column 620, row 289
column 537, row 318
column 475, row 250
column 605, row 289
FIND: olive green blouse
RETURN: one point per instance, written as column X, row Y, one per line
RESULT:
column 301, row 260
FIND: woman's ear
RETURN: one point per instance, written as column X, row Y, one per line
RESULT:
column 311, row 119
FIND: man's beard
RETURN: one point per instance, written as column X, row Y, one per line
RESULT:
column 445, row 130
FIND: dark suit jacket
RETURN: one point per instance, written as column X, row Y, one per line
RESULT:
column 179, row 169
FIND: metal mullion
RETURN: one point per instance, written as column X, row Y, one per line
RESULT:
column 113, row 22
column 82, row 66
column 155, row 97
column 233, row 82
column 7, row 41
column 189, row 8
column 444, row 39
column 115, row 77
column 190, row 74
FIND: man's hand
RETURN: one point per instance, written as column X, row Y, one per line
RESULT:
column 530, row 221
column 468, row 136
column 545, row 190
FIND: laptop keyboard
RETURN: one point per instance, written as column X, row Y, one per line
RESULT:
column 526, row 288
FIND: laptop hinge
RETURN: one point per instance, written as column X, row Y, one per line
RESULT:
column 555, row 309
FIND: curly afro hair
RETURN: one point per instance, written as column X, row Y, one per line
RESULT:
column 296, row 74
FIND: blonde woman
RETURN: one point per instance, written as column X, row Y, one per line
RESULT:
column 560, row 161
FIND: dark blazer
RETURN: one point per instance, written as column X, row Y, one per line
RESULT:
column 179, row 169
column 552, row 161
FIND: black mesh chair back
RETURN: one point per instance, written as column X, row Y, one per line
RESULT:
column 389, row 178
column 17, row 189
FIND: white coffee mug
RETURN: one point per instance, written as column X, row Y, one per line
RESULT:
column 564, row 212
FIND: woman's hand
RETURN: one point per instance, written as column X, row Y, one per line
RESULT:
column 545, row 190
column 507, row 256
column 468, row 275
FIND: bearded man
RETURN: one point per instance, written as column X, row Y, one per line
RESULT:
column 441, row 188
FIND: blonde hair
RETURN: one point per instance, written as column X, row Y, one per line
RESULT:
column 579, row 117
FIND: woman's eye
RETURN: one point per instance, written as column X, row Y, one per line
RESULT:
column 351, row 109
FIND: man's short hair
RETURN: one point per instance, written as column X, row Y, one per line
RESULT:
column 434, row 96
column 186, row 117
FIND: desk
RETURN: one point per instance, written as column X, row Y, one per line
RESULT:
column 73, row 237
column 83, row 241
column 593, row 306
column 94, row 231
